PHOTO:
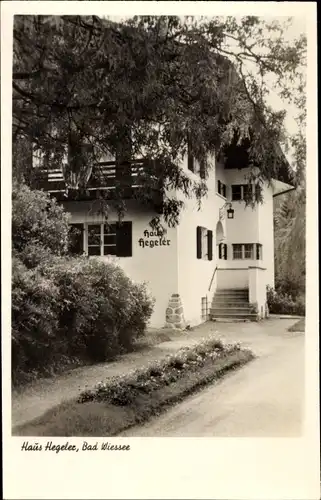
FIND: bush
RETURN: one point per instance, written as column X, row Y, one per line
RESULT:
column 75, row 308
column 281, row 303
column 37, row 219
column 35, row 335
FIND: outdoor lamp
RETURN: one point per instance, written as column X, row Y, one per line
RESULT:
column 230, row 212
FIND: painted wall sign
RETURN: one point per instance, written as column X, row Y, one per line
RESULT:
column 151, row 243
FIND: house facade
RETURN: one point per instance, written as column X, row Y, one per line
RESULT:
column 225, row 247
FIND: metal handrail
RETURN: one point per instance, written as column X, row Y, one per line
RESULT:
column 209, row 289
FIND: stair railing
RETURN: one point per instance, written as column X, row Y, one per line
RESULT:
column 209, row 288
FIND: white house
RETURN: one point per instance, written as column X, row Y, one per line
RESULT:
column 216, row 263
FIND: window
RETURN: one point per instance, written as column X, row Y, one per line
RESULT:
column 204, row 243
column 246, row 251
column 236, row 193
column 249, row 251
column 259, row 251
column 221, row 188
column 242, row 192
column 76, row 239
column 110, row 239
column 94, row 239
column 237, row 252
column 222, row 251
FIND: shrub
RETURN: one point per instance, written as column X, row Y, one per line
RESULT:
column 74, row 307
column 281, row 303
column 38, row 219
column 35, row 336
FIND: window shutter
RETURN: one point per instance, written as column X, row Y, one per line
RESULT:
column 76, row 239
column 224, row 191
column 210, row 245
column 124, row 239
column 220, row 250
column 219, row 187
column 199, row 242
column 225, row 251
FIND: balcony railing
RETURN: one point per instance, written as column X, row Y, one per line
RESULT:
column 105, row 175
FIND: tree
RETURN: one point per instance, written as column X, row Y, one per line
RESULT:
column 290, row 227
column 157, row 86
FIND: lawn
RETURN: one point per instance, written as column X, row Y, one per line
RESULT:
column 299, row 326
column 122, row 402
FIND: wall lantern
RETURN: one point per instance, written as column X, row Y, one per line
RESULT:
column 230, row 212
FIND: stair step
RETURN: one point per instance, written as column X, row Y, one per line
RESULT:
column 234, row 310
column 231, row 294
column 230, row 300
column 232, row 290
column 232, row 315
column 231, row 320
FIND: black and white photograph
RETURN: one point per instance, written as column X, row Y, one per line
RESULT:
column 158, row 191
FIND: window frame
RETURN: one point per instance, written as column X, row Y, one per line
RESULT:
column 243, row 188
column 234, row 245
column 244, row 255
column 250, row 249
column 122, row 241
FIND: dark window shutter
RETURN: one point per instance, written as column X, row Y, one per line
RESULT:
column 220, row 250
column 210, row 245
column 224, row 191
column 76, row 239
column 199, row 242
column 225, row 251
column 219, row 187
column 124, row 239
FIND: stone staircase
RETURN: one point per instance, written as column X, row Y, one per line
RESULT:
column 231, row 305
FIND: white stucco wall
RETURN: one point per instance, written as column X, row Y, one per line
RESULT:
column 257, row 289
column 156, row 266
column 194, row 275
column 233, row 278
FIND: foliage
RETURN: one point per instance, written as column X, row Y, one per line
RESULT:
column 35, row 336
column 153, row 85
column 282, row 303
column 71, row 308
column 37, row 220
column 123, row 390
column 289, row 222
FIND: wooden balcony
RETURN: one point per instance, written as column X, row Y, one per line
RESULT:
column 105, row 178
